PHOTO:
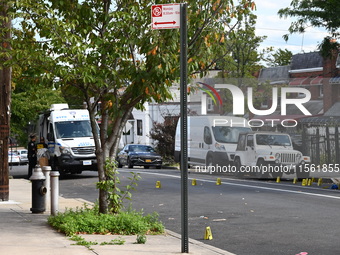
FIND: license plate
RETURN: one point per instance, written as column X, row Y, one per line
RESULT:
column 148, row 160
column 87, row 162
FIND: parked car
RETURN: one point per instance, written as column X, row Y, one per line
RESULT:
column 264, row 153
column 139, row 155
column 13, row 158
column 23, row 156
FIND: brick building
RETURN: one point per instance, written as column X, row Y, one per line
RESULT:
column 321, row 76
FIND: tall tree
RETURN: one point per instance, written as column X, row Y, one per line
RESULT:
column 316, row 13
column 241, row 60
column 105, row 52
column 243, row 44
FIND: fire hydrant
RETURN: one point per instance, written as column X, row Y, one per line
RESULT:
column 38, row 190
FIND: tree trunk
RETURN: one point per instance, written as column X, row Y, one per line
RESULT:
column 5, row 101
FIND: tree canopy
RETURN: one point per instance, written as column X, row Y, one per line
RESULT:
column 280, row 58
column 316, row 13
column 105, row 53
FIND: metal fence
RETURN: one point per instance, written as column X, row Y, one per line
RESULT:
column 321, row 143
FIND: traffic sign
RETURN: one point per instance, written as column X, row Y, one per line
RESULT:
column 165, row 16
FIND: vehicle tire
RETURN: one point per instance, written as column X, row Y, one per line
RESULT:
column 259, row 174
column 300, row 174
column 209, row 164
column 130, row 165
column 237, row 164
column 55, row 167
column 146, row 167
column 119, row 164
column 159, row 167
column 276, row 174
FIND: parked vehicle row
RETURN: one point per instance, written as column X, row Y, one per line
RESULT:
column 17, row 157
column 218, row 141
column 212, row 139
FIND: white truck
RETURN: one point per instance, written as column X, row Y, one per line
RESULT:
column 268, row 154
column 212, row 139
column 68, row 134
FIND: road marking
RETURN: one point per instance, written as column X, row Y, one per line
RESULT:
column 241, row 185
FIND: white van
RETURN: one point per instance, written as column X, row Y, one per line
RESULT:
column 69, row 137
column 212, row 140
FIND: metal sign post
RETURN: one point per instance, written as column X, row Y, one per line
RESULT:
column 165, row 16
column 184, row 128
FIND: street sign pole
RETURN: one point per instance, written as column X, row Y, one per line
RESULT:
column 184, row 128
column 170, row 16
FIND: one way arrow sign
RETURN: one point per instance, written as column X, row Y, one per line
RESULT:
column 163, row 23
column 165, row 16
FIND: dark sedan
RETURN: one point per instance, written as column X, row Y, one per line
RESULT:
column 139, row 155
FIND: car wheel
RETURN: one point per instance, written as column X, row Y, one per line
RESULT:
column 300, row 174
column 237, row 163
column 130, row 165
column 159, row 167
column 146, row 167
column 119, row 164
column 209, row 164
column 277, row 174
column 259, row 174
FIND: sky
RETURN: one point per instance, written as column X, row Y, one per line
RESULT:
column 270, row 24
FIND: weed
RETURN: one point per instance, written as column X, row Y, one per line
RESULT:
column 81, row 241
column 116, row 194
column 90, row 221
column 141, row 239
column 116, row 241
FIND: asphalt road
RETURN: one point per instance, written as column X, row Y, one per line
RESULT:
column 247, row 217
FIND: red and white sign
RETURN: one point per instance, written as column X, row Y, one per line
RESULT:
column 165, row 16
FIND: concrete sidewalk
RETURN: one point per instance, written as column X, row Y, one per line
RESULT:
column 23, row 232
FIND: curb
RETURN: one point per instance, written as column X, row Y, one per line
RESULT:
column 200, row 244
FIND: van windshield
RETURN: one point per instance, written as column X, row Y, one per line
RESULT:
column 73, row 129
column 225, row 134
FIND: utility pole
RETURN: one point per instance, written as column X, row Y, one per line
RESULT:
column 5, row 98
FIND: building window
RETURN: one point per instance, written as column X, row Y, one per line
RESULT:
column 139, row 127
column 210, row 104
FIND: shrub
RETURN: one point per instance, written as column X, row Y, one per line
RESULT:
column 89, row 221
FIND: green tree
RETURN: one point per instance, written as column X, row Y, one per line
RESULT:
column 316, row 13
column 242, row 60
column 32, row 92
column 280, row 58
column 105, row 52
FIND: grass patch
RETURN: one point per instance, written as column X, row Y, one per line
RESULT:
column 86, row 220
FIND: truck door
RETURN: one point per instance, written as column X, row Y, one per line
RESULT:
column 250, row 151
column 50, row 139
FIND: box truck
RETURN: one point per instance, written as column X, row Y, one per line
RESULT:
column 68, row 134
column 212, row 140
